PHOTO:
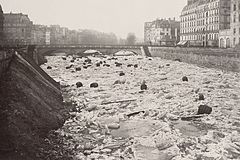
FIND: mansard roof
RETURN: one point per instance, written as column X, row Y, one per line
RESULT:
column 195, row 4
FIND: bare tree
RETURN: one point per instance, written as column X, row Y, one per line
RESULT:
column 131, row 39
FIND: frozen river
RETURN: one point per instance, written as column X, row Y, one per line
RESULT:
column 118, row 120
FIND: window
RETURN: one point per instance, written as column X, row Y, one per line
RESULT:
column 234, row 41
column 234, row 30
column 234, row 18
column 234, row 7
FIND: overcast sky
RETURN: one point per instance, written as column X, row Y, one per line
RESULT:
column 117, row 16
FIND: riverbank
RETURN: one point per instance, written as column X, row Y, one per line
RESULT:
column 31, row 105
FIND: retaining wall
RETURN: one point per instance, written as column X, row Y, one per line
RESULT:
column 31, row 105
column 225, row 59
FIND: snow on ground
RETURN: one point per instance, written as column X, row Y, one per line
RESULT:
column 117, row 120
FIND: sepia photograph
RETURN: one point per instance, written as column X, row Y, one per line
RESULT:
column 119, row 80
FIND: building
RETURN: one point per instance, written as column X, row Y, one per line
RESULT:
column 202, row 20
column 63, row 35
column 235, row 22
column 1, row 25
column 48, row 37
column 40, row 35
column 162, row 32
column 17, row 28
column 57, row 34
column 225, row 37
column 72, row 37
column 231, row 37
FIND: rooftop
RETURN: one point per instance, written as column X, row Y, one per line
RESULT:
column 163, row 23
column 195, row 4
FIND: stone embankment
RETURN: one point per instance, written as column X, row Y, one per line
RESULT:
column 31, row 105
column 225, row 59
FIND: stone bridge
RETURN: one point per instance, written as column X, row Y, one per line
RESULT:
column 38, row 52
column 47, row 50
column 80, row 48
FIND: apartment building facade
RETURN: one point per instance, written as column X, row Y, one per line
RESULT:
column 162, row 32
column 230, row 38
column 17, row 28
column 235, row 23
column 202, row 20
column 57, row 34
column 40, row 35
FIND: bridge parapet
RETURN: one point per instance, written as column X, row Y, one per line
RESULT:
column 86, row 46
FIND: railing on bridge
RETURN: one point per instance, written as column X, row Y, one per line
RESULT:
column 89, row 46
column 94, row 46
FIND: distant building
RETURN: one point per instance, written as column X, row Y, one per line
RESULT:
column 63, row 35
column 1, row 25
column 72, row 37
column 57, row 34
column 40, row 35
column 162, row 32
column 17, row 28
column 202, row 20
column 48, row 37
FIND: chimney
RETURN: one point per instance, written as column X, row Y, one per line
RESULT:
column 169, row 19
column 174, row 18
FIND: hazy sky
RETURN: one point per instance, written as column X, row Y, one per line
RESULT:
column 117, row 16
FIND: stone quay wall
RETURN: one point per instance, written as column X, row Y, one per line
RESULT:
column 225, row 59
